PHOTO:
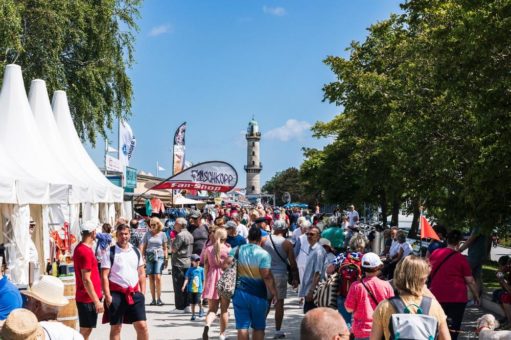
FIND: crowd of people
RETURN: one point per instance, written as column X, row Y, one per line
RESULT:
column 349, row 283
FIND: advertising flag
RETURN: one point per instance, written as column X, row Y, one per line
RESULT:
column 210, row 176
column 179, row 149
column 427, row 230
column 127, row 143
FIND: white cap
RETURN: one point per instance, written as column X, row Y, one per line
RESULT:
column 88, row 226
column 371, row 260
column 325, row 242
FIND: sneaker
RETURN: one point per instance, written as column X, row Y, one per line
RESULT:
column 221, row 337
column 205, row 333
column 187, row 310
column 201, row 313
column 176, row 311
column 153, row 303
column 159, row 302
column 192, row 318
column 279, row 335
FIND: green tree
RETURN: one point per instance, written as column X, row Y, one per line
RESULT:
column 289, row 181
column 83, row 47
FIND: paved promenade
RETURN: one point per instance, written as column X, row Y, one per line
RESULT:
column 165, row 326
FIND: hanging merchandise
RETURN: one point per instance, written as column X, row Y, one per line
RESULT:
column 63, row 241
column 157, row 206
column 148, row 208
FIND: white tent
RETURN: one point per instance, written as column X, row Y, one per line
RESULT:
column 180, row 200
column 40, row 172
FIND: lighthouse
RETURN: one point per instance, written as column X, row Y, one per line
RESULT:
column 253, row 167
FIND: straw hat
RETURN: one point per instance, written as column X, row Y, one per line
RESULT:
column 22, row 324
column 49, row 290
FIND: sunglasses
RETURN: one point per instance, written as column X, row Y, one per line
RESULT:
column 311, row 234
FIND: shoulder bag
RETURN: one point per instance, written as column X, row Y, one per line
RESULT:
column 432, row 275
column 289, row 272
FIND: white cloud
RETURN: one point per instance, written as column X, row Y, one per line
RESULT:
column 276, row 11
column 292, row 129
column 159, row 30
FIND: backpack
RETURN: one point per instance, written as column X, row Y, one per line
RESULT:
column 405, row 325
column 325, row 294
column 226, row 284
column 349, row 271
column 112, row 255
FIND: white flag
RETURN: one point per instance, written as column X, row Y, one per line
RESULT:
column 160, row 168
column 111, row 149
column 127, row 143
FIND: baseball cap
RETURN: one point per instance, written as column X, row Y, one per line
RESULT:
column 279, row 225
column 371, row 260
column 195, row 257
column 230, row 225
column 88, row 226
column 325, row 242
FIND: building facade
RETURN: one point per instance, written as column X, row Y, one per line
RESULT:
column 254, row 166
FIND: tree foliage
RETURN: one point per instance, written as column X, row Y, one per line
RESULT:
column 83, row 47
column 288, row 181
column 426, row 115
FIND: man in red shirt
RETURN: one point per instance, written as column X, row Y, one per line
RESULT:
column 88, row 283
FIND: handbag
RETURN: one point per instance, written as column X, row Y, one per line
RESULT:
column 326, row 292
column 289, row 272
column 226, row 284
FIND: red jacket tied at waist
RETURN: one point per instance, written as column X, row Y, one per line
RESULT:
column 128, row 292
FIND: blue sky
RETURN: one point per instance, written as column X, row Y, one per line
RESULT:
column 215, row 63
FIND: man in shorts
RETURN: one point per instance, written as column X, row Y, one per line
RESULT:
column 88, row 283
column 255, row 279
column 123, row 281
column 282, row 256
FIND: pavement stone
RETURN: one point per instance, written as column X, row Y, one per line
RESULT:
column 166, row 326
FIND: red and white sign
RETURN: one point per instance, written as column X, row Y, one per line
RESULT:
column 211, row 176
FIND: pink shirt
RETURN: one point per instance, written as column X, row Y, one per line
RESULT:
column 362, row 304
column 448, row 283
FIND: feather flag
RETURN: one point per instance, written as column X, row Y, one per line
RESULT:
column 427, row 230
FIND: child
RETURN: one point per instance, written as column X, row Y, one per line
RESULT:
column 193, row 284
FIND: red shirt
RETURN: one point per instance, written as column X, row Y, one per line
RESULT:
column 448, row 284
column 84, row 258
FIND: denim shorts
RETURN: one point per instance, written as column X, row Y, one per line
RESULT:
column 154, row 267
column 249, row 310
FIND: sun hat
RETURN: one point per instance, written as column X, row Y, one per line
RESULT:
column 49, row 290
column 22, row 324
column 371, row 260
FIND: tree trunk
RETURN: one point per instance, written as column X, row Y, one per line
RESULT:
column 415, row 221
column 396, row 204
column 384, row 208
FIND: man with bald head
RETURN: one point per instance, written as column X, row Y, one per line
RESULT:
column 325, row 324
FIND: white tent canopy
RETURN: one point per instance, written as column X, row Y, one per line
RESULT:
column 76, row 152
column 180, row 200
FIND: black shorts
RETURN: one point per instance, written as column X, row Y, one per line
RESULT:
column 194, row 298
column 120, row 312
column 87, row 316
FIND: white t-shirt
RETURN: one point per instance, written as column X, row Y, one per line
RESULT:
column 353, row 217
column 125, row 269
column 296, row 234
column 242, row 230
column 394, row 248
column 301, row 260
column 407, row 248
column 54, row 330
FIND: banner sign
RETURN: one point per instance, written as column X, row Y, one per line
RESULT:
column 179, row 149
column 211, row 176
column 113, row 164
column 127, row 143
column 131, row 178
